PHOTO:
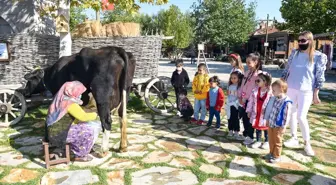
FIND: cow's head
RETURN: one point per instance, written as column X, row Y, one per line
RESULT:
column 34, row 82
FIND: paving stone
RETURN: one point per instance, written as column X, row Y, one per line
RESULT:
column 12, row 159
column 259, row 151
column 287, row 179
column 135, row 139
column 214, row 154
column 265, row 171
column 162, row 132
column 187, row 154
column 134, row 151
column 242, row 166
column 19, row 127
column 328, row 169
column 319, row 144
column 37, row 163
column 210, row 169
column 157, row 117
column 115, row 178
column 161, row 122
column 181, row 162
column 163, row 175
column 152, row 147
column 179, row 135
column 201, row 140
column 287, row 164
column 197, row 130
column 142, row 121
column 157, row 157
column 13, row 135
column 215, row 181
column 118, row 164
column 20, row 176
column 5, row 148
column 325, row 155
column 33, row 150
column 23, row 131
column 131, row 130
column 321, row 179
column 170, row 145
column 195, row 147
column 175, row 120
column 299, row 156
column 230, row 147
column 96, row 161
column 176, row 127
column 78, row 177
column 214, row 132
column 31, row 140
column 39, row 124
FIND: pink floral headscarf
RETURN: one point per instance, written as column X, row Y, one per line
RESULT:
column 68, row 94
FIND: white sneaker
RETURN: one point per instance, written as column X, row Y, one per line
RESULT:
column 248, row 141
column 309, row 150
column 230, row 133
column 265, row 146
column 178, row 114
column 292, row 143
column 256, row 145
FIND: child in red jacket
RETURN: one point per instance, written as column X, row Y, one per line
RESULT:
column 215, row 101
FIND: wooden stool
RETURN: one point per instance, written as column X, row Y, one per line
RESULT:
column 55, row 161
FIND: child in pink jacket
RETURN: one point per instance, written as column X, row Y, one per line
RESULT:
column 256, row 108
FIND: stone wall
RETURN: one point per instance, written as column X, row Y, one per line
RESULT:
column 27, row 49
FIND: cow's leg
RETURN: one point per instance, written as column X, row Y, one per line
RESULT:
column 85, row 98
column 101, row 96
column 123, row 123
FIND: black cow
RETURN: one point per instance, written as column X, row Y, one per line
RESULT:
column 106, row 72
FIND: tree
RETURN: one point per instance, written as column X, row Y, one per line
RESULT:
column 223, row 22
column 120, row 15
column 317, row 16
column 77, row 16
column 173, row 22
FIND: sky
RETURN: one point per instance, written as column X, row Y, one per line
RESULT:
column 264, row 7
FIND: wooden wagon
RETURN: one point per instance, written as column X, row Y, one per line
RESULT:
column 33, row 50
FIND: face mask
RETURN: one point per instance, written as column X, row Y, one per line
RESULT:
column 179, row 68
column 303, row 47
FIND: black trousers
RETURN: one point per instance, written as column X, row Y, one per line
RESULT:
column 234, row 119
column 178, row 91
column 258, row 133
column 248, row 129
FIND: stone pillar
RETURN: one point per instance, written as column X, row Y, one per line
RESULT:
column 64, row 25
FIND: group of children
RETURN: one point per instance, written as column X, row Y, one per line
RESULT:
column 262, row 105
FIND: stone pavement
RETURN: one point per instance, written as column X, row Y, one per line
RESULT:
column 222, row 70
column 166, row 150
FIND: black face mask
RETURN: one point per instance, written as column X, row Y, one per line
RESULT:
column 303, row 47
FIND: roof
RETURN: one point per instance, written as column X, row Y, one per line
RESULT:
column 262, row 31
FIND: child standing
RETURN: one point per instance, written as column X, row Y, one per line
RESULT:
column 215, row 101
column 232, row 104
column 277, row 118
column 180, row 81
column 248, row 84
column 256, row 108
column 200, row 88
column 236, row 63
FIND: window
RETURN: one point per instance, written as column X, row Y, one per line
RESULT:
column 4, row 52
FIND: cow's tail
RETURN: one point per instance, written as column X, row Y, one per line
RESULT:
column 123, row 119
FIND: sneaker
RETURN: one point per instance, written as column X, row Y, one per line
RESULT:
column 178, row 114
column 200, row 122
column 292, row 143
column 193, row 120
column 218, row 128
column 267, row 157
column 265, row 146
column 238, row 137
column 256, row 145
column 275, row 160
column 230, row 133
column 309, row 150
column 248, row 141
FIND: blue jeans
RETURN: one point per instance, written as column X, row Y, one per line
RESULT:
column 213, row 112
column 199, row 104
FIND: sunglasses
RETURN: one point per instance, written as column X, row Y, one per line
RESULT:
column 302, row 40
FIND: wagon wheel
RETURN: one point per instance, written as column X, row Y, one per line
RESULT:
column 12, row 107
column 159, row 95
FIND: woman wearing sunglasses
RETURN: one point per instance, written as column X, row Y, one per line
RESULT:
column 304, row 74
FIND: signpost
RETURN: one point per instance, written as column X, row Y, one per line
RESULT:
column 200, row 48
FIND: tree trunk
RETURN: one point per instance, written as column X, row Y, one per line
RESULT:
column 65, row 37
column 98, row 15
